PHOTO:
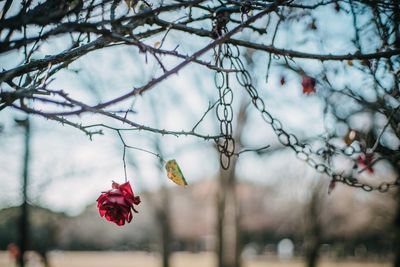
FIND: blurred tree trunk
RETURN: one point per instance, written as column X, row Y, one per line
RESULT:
column 227, row 224
column 396, row 223
column 313, row 238
column 228, row 214
column 24, row 224
column 397, row 233
column 162, row 212
column 396, row 164
column 163, row 216
column 44, row 258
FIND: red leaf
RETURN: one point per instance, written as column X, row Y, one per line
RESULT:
column 308, row 84
column 337, row 7
column 365, row 161
column 283, row 81
column 332, row 186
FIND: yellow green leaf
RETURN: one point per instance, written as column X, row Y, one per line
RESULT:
column 174, row 173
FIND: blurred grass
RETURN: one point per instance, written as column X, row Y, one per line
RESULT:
column 142, row 259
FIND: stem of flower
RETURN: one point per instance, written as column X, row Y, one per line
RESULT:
column 123, row 159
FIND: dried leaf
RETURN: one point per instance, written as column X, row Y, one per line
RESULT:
column 337, row 7
column 157, row 44
column 282, row 81
column 366, row 62
column 174, row 173
column 131, row 3
column 308, row 84
column 351, row 136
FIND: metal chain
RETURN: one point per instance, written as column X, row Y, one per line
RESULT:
column 303, row 151
column 224, row 110
column 226, row 145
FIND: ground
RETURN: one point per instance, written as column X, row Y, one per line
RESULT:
column 129, row 259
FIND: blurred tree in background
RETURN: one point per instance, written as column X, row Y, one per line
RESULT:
column 345, row 53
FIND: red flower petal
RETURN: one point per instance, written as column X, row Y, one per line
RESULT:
column 120, row 222
column 130, row 217
column 102, row 212
column 101, row 198
column 126, row 188
column 119, row 200
column 136, row 200
column 115, row 185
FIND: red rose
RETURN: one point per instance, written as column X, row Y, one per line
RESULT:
column 116, row 205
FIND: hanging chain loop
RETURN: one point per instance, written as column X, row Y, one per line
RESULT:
column 319, row 160
column 224, row 110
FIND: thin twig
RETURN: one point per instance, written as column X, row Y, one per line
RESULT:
column 374, row 147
